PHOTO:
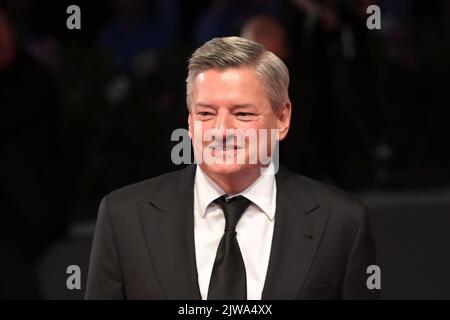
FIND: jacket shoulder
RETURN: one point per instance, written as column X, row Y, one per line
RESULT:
column 341, row 204
column 131, row 194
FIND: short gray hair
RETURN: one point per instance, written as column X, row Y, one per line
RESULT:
column 234, row 52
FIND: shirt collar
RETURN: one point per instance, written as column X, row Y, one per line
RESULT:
column 262, row 192
column 206, row 191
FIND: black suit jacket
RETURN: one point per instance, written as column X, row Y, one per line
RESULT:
column 143, row 245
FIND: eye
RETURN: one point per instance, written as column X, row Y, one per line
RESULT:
column 245, row 115
column 204, row 114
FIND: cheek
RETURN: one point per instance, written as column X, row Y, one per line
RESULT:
column 267, row 124
column 272, row 122
column 201, row 132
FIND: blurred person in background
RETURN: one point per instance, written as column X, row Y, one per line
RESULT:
column 32, row 191
column 226, row 17
column 339, row 85
column 40, row 37
column 309, row 148
column 138, row 31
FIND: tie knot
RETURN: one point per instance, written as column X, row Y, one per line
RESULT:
column 233, row 209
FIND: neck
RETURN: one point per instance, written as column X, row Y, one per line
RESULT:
column 236, row 182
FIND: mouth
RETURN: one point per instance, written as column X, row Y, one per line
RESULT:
column 220, row 151
column 225, row 148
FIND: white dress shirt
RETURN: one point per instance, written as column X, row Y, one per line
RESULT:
column 254, row 229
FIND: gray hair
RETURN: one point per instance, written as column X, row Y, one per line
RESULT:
column 234, row 52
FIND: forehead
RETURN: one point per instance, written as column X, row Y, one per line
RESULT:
column 229, row 85
column 228, row 76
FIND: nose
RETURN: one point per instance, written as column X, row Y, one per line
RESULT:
column 224, row 121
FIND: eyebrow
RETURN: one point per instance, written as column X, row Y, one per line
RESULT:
column 235, row 106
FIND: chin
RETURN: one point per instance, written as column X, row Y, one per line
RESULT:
column 227, row 169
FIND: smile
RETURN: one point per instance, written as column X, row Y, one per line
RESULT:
column 225, row 148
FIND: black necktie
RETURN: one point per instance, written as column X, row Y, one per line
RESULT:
column 228, row 279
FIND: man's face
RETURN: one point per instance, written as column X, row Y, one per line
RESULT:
column 233, row 99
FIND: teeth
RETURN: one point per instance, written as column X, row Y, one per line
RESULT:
column 225, row 148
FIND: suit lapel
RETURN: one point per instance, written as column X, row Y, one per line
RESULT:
column 168, row 224
column 299, row 224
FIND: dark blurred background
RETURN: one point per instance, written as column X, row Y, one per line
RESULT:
column 83, row 111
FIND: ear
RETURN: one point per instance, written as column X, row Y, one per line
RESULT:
column 284, row 120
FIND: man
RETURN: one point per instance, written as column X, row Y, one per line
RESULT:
column 232, row 229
